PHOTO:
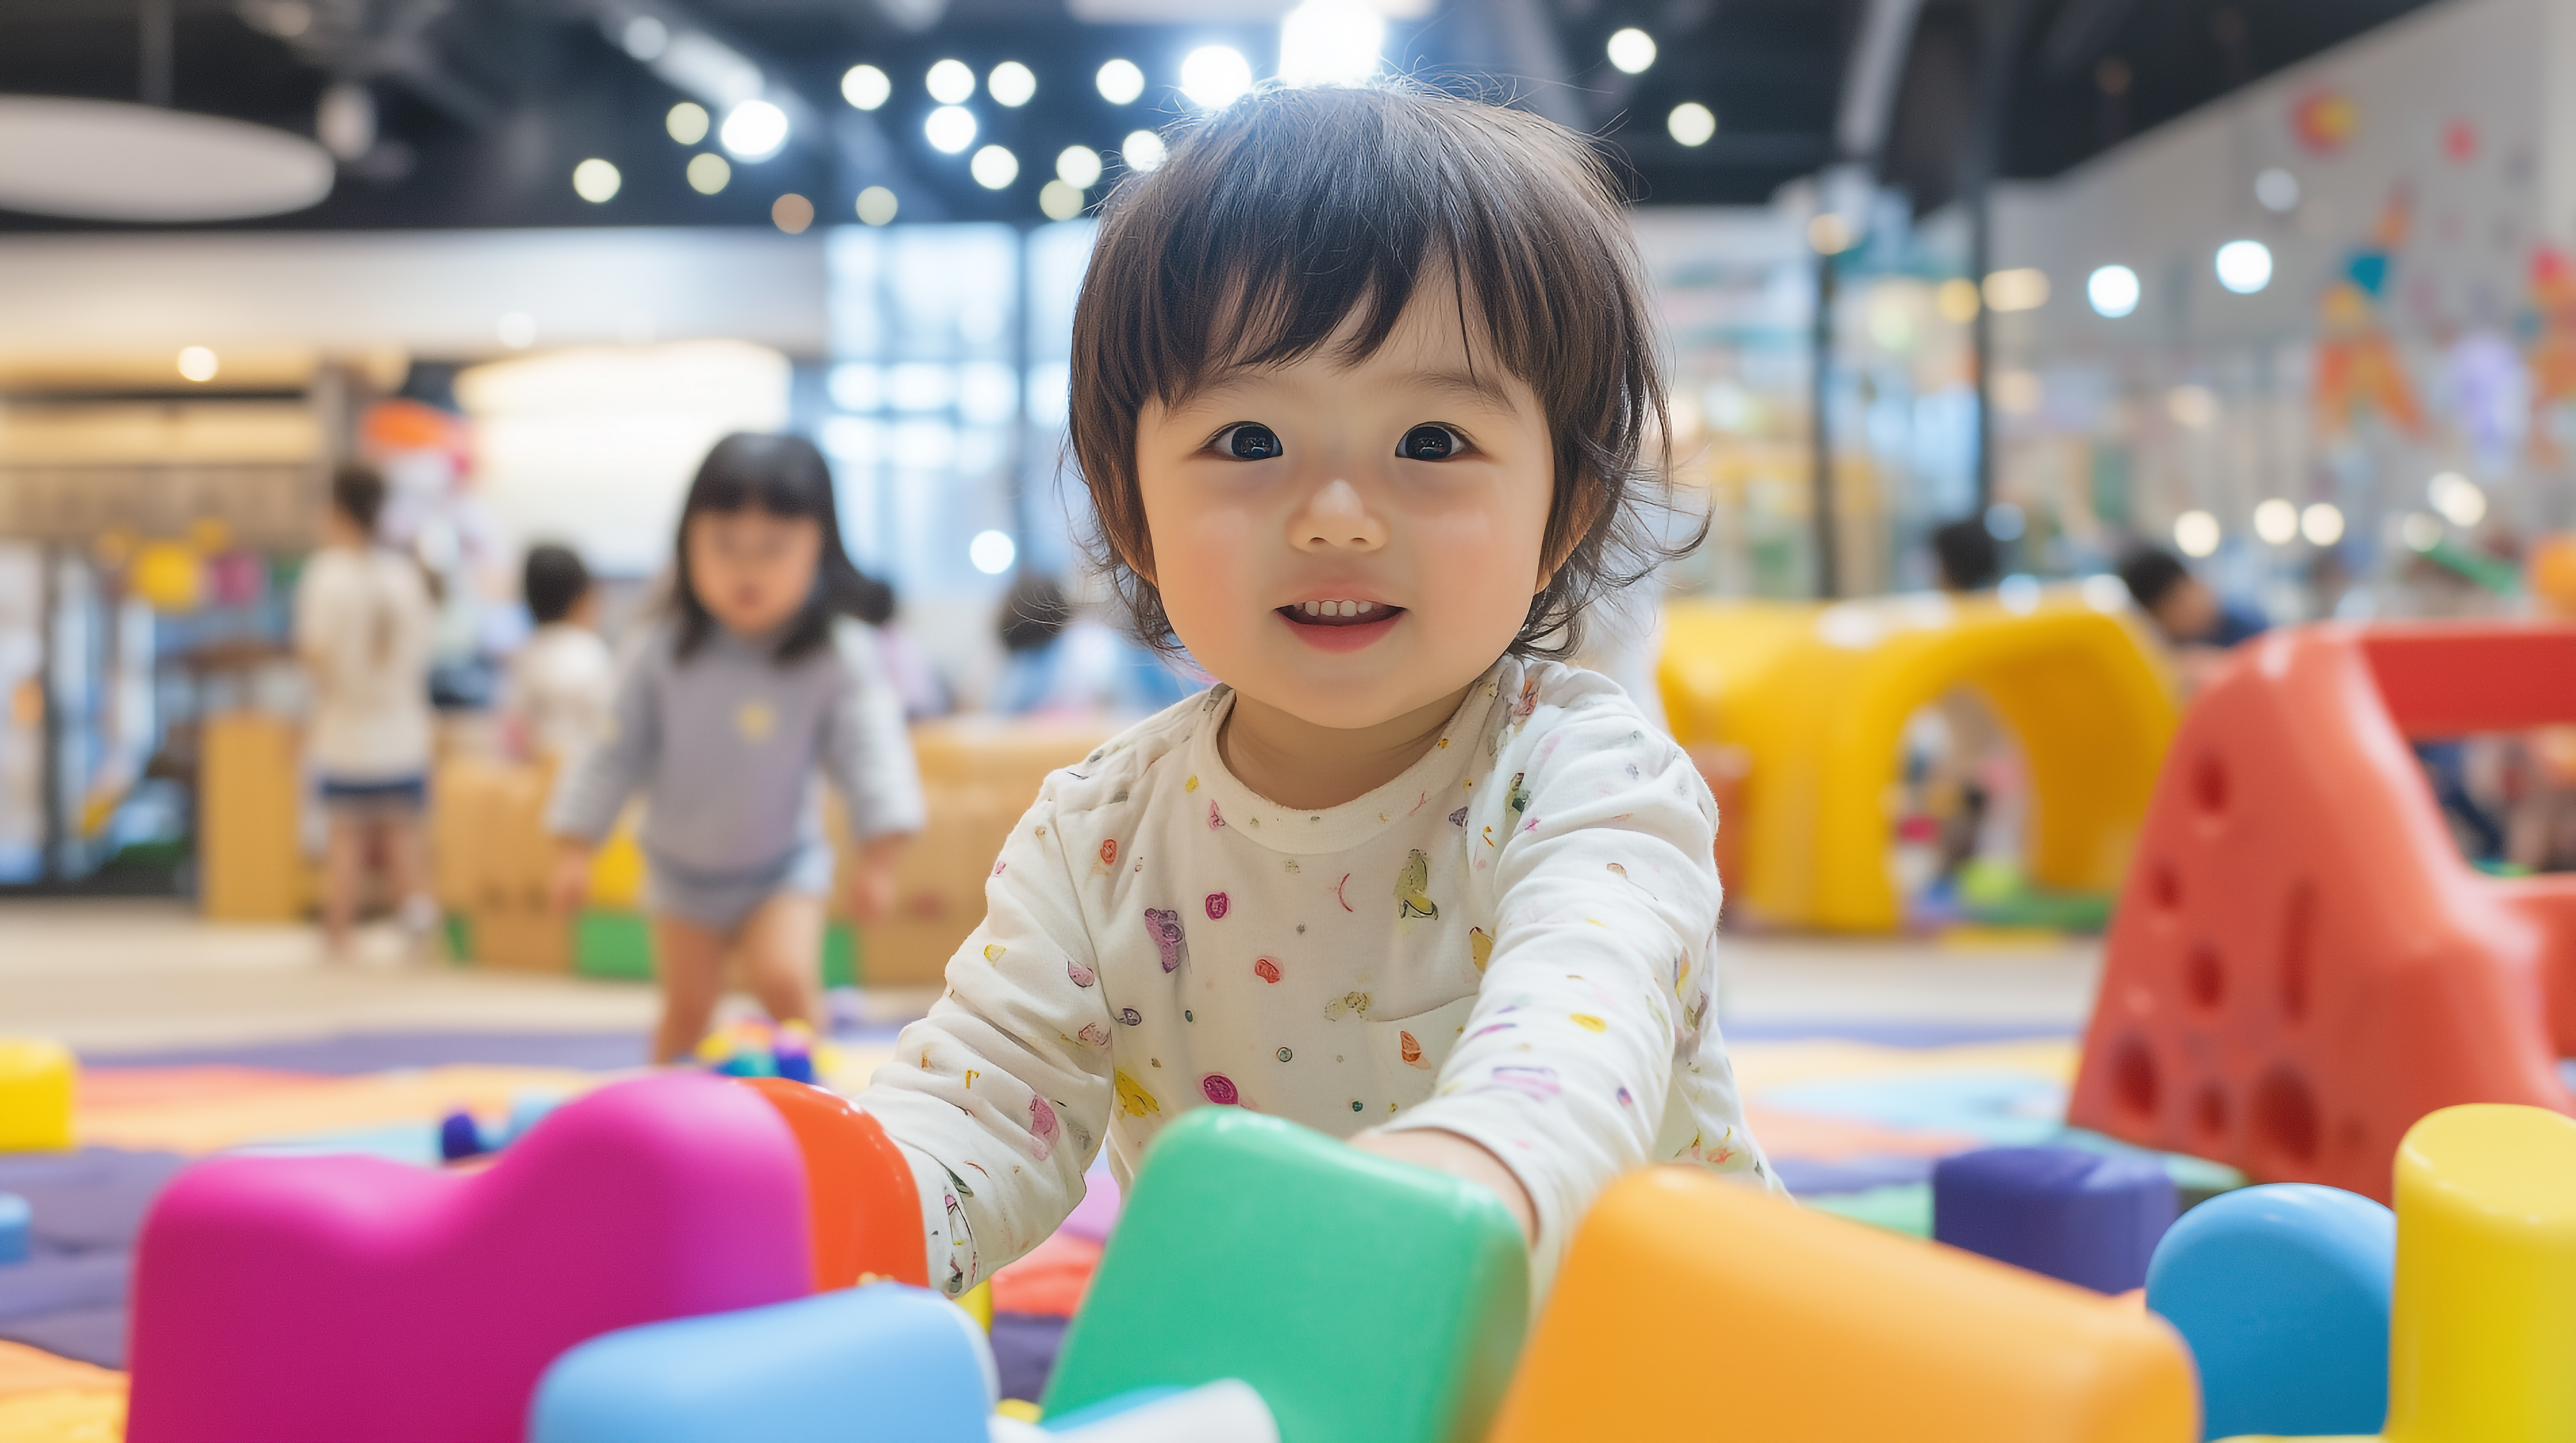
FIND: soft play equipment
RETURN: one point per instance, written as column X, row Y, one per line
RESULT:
column 2484, row 1320
column 1818, row 696
column 1229, row 1411
column 1694, row 1307
column 2283, row 1293
column 347, row 1299
column 2301, row 965
column 17, row 1224
column 880, row 1364
column 1360, row 1296
column 859, row 1189
column 2080, row 1216
column 35, row 1095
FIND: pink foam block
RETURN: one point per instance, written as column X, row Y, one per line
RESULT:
column 353, row 1300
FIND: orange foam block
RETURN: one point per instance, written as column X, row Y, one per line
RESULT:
column 1690, row 1307
column 858, row 1188
column 2301, row 965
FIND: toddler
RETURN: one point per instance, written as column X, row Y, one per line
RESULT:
column 561, row 682
column 1365, row 395
column 752, row 683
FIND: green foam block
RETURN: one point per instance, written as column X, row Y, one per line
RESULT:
column 1363, row 1298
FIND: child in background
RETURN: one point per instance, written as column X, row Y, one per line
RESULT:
column 752, row 683
column 362, row 626
column 1368, row 405
column 562, row 681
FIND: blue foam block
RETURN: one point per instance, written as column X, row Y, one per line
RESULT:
column 880, row 1364
column 2085, row 1217
column 16, row 1223
column 2282, row 1291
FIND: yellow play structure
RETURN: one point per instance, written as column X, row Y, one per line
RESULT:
column 1817, row 696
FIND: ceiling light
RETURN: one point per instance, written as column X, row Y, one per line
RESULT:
column 791, row 213
column 877, row 205
column 2421, row 530
column 645, row 38
column 345, row 120
column 2277, row 522
column 950, row 128
column 2277, row 190
column 107, row 160
column 2244, row 266
column 994, row 167
column 1142, row 150
column 950, row 82
column 1829, row 234
column 1692, row 123
column 865, row 86
column 2022, row 288
column 687, row 122
column 2457, row 498
column 596, row 181
column 2196, row 534
column 1120, row 82
column 1956, row 300
column 1078, row 166
column 708, row 173
column 1011, row 83
column 2113, row 292
column 1330, row 42
column 1632, row 50
column 1215, row 76
column 992, row 552
column 2322, row 523
column 755, row 130
column 198, row 364
column 1060, row 201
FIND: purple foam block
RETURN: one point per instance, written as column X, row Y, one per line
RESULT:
column 2084, row 1217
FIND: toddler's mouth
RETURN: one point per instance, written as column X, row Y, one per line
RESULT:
column 1339, row 613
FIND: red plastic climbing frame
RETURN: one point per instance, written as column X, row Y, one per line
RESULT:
column 2301, row 964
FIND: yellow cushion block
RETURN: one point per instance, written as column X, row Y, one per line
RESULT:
column 2482, row 1333
column 1690, row 1307
column 35, row 1095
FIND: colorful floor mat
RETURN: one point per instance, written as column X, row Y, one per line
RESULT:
column 1853, row 1116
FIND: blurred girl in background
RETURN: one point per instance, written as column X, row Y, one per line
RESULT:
column 362, row 626
column 752, row 682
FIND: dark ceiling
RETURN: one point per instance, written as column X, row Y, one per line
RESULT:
column 485, row 106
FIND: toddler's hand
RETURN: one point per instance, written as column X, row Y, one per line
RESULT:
column 1459, row 1157
column 872, row 879
column 570, row 885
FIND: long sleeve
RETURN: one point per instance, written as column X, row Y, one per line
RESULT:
column 590, row 793
column 1001, row 1095
column 1607, row 897
column 865, row 749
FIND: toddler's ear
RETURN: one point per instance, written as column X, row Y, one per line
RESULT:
column 1580, row 512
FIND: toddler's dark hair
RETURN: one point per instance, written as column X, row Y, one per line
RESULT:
column 784, row 476
column 1280, row 217
column 2151, row 573
column 1034, row 612
column 358, row 492
column 554, row 580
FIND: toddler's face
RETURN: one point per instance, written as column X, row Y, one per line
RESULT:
column 1350, row 543
column 752, row 569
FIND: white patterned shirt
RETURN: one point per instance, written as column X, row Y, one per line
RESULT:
column 1512, row 941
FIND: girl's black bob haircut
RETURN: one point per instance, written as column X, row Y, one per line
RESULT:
column 1282, row 216
column 784, row 476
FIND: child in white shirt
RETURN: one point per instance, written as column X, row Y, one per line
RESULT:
column 563, row 681
column 1366, row 398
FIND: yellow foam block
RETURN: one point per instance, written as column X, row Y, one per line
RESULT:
column 2482, row 1336
column 1690, row 1307
column 1818, row 697
column 35, row 1095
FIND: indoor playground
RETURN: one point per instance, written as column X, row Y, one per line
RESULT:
column 2093, row 600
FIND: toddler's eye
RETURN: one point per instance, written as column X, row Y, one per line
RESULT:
column 1250, row 441
column 1430, row 443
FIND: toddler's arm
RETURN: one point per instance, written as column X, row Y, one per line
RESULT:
column 864, row 748
column 1607, row 900
column 1000, row 1096
column 591, row 791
